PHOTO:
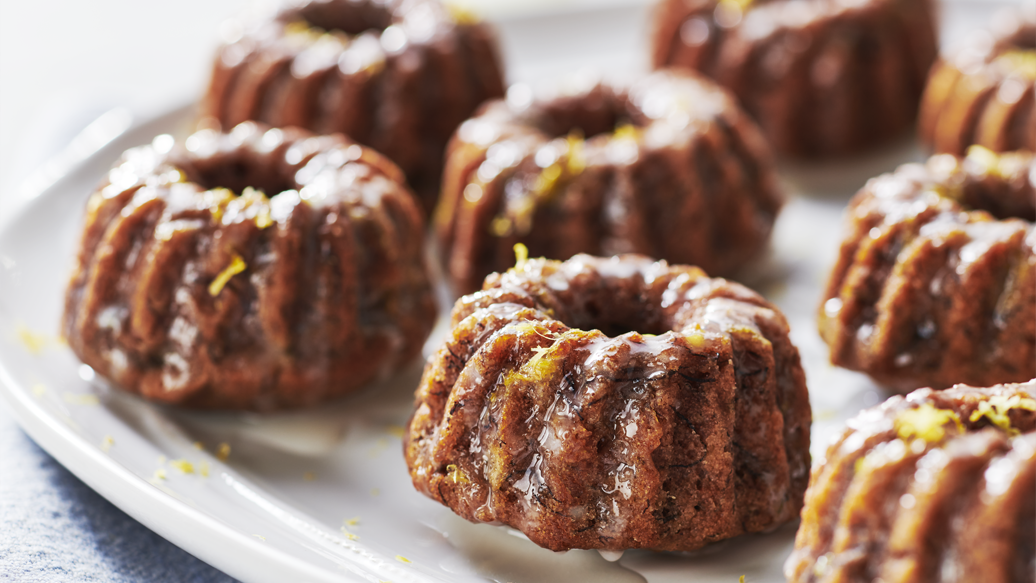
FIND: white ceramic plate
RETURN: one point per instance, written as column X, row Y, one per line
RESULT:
column 324, row 495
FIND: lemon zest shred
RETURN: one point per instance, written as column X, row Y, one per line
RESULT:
column 927, row 422
column 741, row 5
column 263, row 219
column 627, row 131
column 576, row 159
column 1021, row 61
column 218, row 199
column 456, row 474
column 237, row 265
column 223, row 452
column 80, row 399
column 521, row 255
column 350, row 535
column 34, row 342
column 986, row 158
column 997, row 409
column 501, row 226
column 403, row 559
column 182, row 465
column 461, row 15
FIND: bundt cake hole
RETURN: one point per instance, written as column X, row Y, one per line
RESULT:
column 352, row 18
column 615, row 314
column 597, row 113
column 238, row 175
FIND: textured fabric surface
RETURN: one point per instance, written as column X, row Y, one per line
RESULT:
column 53, row 527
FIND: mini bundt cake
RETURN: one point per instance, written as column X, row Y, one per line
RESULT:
column 396, row 75
column 939, row 486
column 822, row 77
column 936, row 279
column 985, row 93
column 541, row 411
column 194, row 287
column 667, row 166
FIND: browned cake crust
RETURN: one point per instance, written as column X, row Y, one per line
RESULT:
column 985, row 92
column 822, row 77
column 939, row 486
column 396, row 75
column 538, row 413
column 192, row 288
column 936, row 280
column 668, row 167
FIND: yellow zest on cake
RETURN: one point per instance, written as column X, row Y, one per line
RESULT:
column 461, row 14
column 997, row 409
column 927, row 422
column 627, row 131
column 217, row 200
column 456, row 474
column 740, row 5
column 223, row 452
column 521, row 255
column 237, row 265
column 1022, row 62
column 987, row 159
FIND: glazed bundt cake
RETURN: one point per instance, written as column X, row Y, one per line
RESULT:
column 543, row 412
column 939, row 486
column 258, row 269
column 984, row 93
column 936, row 279
column 396, row 75
column 822, row 77
column 667, row 166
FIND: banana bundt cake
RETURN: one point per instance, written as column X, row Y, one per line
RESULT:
column 822, row 77
column 396, row 75
column 936, row 280
column 985, row 93
column 936, row 486
column 258, row 269
column 667, row 166
column 543, row 412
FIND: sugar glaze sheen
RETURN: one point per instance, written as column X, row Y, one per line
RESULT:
column 541, row 412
